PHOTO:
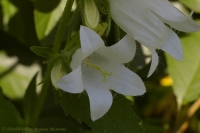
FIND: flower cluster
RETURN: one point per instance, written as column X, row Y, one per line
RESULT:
column 97, row 68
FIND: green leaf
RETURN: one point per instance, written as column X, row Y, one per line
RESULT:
column 58, row 125
column 44, row 52
column 15, row 77
column 192, row 4
column 29, row 100
column 10, row 117
column 18, row 21
column 46, row 15
column 8, row 10
column 186, row 74
column 119, row 119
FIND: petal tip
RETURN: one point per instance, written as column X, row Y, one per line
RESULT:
column 180, row 59
column 94, row 118
column 143, row 92
column 149, row 74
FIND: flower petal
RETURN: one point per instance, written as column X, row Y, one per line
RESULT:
column 154, row 61
column 172, row 16
column 71, row 82
column 121, row 79
column 173, row 45
column 137, row 21
column 121, row 52
column 99, row 95
column 125, row 81
column 90, row 41
column 100, row 101
column 76, row 59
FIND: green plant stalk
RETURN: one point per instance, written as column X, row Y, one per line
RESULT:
column 62, row 26
column 56, row 47
column 68, row 44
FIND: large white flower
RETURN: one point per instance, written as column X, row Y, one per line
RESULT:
column 144, row 21
column 97, row 69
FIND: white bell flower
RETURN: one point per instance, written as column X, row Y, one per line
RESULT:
column 97, row 69
column 144, row 20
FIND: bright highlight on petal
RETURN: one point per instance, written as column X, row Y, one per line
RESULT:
column 98, row 69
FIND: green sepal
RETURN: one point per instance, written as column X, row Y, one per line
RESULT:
column 66, row 57
column 74, row 40
column 44, row 52
column 104, row 8
column 101, row 28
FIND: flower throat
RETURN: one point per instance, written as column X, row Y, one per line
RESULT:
column 103, row 72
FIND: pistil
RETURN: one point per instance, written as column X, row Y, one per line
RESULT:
column 103, row 72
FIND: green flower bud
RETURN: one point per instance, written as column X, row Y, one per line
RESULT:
column 91, row 14
column 56, row 73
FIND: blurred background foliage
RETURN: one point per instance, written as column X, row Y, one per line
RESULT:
column 171, row 104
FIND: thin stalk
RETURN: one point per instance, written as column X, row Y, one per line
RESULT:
column 62, row 26
column 191, row 111
column 56, row 47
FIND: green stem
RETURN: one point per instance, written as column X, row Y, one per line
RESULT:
column 179, row 127
column 71, row 27
column 62, row 26
column 68, row 44
column 47, row 82
column 41, row 97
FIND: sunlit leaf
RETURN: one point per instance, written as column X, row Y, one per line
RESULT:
column 15, row 77
column 9, row 10
column 119, row 119
column 18, row 21
column 192, row 4
column 45, row 20
column 186, row 74
column 181, row 7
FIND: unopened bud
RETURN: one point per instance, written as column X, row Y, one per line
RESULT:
column 91, row 14
column 56, row 73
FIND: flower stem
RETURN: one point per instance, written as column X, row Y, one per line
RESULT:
column 56, row 47
column 183, row 124
column 62, row 25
